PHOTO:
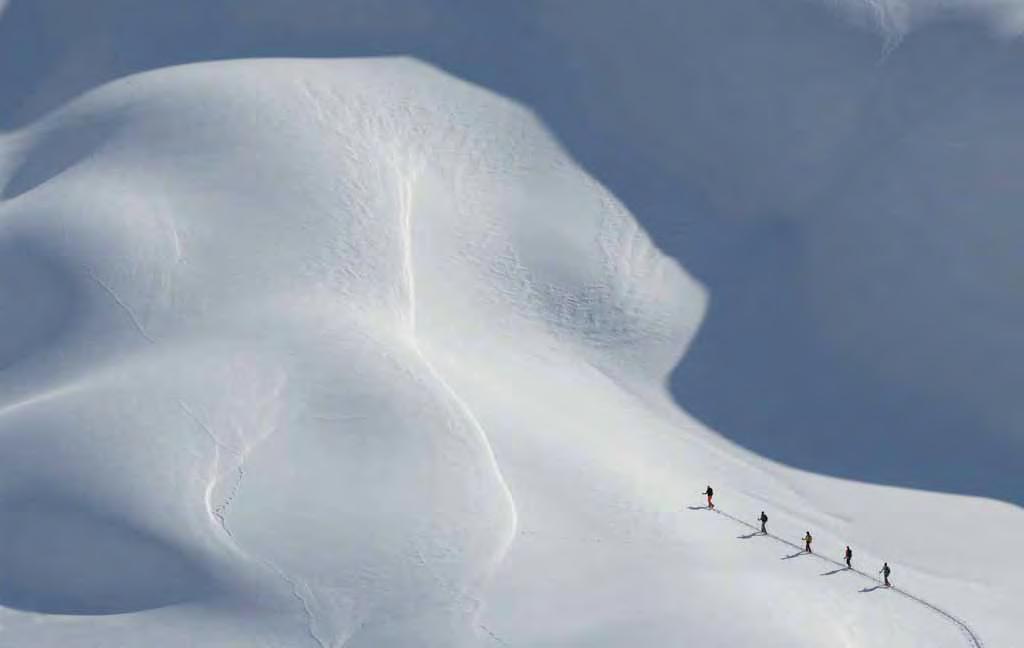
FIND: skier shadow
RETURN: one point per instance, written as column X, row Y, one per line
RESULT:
column 748, row 536
column 794, row 555
column 698, row 508
column 836, row 571
column 870, row 589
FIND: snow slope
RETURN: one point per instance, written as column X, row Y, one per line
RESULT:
column 355, row 352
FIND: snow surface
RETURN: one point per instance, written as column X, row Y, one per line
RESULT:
column 439, row 348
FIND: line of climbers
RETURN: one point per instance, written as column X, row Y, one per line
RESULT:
column 763, row 519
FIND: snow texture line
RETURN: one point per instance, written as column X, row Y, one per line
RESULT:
column 308, row 611
column 217, row 514
column 123, row 306
column 969, row 634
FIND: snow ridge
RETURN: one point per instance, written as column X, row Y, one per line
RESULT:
column 406, row 192
column 405, row 202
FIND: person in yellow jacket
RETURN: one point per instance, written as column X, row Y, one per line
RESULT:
column 807, row 542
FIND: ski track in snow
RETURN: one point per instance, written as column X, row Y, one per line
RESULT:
column 493, row 636
column 969, row 634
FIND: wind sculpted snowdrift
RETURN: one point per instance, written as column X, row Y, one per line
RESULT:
column 840, row 177
column 217, row 353
column 353, row 352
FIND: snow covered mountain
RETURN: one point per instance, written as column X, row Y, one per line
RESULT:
column 425, row 324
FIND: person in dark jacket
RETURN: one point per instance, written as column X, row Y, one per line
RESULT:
column 709, row 492
column 885, row 571
column 764, row 521
column 807, row 542
column 849, row 557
